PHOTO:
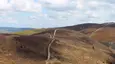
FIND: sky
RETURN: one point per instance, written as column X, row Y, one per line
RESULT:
column 55, row 13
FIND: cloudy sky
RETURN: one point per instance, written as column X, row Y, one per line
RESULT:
column 55, row 13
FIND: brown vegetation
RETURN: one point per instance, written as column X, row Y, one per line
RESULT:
column 69, row 47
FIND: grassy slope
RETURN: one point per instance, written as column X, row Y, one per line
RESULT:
column 104, row 35
column 69, row 41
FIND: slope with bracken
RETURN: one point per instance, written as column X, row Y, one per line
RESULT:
column 68, row 47
column 101, row 32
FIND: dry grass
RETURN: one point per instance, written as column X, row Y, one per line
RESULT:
column 29, row 32
column 104, row 35
column 70, row 47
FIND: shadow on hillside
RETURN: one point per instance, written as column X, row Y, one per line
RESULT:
column 112, row 61
column 30, row 47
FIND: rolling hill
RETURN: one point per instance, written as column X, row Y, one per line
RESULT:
column 101, row 32
column 63, row 45
column 105, row 34
column 60, row 46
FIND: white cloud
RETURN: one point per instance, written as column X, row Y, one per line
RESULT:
column 55, row 3
column 11, row 20
column 80, row 4
column 4, row 5
column 62, row 12
column 8, row 20
column 80, row 11
column 26, row 5
column 20, row 5
column 58, row 2
column 93, row 3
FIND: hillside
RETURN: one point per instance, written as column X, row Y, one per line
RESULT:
column 105, row 34
column 89, row 25
column 84, row 26
column 52, row 46
column 101, row 32
column 107, row 31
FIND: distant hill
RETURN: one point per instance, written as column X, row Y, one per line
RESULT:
column 105, row 34
column 83, row 26
column 11, row 29
column 90, row 25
